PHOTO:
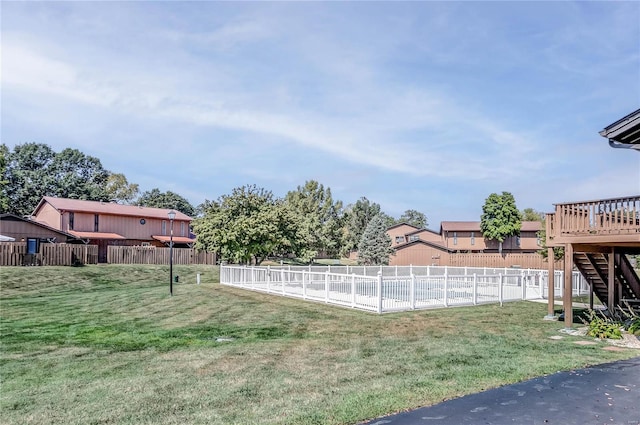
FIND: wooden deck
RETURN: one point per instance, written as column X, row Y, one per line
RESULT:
column 596, row 236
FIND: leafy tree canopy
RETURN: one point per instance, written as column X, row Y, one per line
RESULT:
column 4, row 198
column 375, row 244
column 500, row 217
column 155, row 198
column 120, row 190
column 247, row 225
column 529, row 214
column 414, row 218
column 34, row 170
column 319, row 220
column 357, row 217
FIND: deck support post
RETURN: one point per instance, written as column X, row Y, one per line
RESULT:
column 551, row 315
column 567, row 296
column 611, row 284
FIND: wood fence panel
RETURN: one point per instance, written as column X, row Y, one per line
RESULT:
column 15, row 254
column 155, row 255
column 495, row 260
column 12, row 253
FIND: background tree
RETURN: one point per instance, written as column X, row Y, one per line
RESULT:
column 319, row 220
column 155, row 198
column 414, row 218
column 357, row 217
column 28, row 177
column 529, row 214
column 120, row 190
column 500, row 218
column 375, row 244
column 247, row 225
column 34, row 170
column 4, row 198
column 558, row 251
column 78, row 176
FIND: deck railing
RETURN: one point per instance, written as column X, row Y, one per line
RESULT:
column 603, row 217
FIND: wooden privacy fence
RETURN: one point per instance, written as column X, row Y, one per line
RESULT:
column 15, row 254
column 525, row 261
column 154, row 255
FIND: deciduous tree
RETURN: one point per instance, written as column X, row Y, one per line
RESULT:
column 529, row 214
column 120, row 190
column 155, row 198
column 500, row 218
column 246, row 226
column 319, row 220
column 414, row 218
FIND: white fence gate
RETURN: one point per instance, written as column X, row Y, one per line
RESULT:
column 397, row 288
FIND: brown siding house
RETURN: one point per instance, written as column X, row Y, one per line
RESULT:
column 427, row 247
column 107, row 223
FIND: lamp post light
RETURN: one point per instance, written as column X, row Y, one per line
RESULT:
column 172, row 216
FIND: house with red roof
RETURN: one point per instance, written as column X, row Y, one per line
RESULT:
column 109, row 223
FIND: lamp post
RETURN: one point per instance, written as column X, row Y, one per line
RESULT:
column 172, row 216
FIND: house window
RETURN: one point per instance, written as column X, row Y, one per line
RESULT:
column 71, row 221
column 455, row 238
column 399, row 239
column 95, row 222
column 182, row 228
column 518, row 241
column 414, row 238
column 164, row 227
column 473, row 238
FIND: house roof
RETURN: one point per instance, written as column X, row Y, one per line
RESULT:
column 415, row 232
column 96, row 235
column 13, row 217
column 402, row 224
column 76, row 205
column 420, row 241
column 474, row 226
column 625, row 132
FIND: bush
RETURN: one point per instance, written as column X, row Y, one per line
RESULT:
column 603, row 327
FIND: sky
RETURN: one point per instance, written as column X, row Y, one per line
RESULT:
column 429, row 106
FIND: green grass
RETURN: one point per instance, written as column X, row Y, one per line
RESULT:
column 107, row 344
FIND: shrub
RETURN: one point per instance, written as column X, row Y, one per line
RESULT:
column 603, row 327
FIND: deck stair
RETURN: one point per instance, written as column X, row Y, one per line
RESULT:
column 595, row 269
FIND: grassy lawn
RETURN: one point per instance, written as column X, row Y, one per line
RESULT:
column 106, row 344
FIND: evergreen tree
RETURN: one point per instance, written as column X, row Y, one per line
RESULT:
column 375, row 244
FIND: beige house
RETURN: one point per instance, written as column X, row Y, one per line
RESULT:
column 108, row 223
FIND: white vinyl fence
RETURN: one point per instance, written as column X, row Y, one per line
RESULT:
column 397, row 288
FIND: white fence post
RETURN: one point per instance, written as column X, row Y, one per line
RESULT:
column 500, row 290
column 523, row 279
column 353, row 290
column 475, row 289
column 268, row 278
column 413, row 292
column 304, row 286
column 282, row 279
column 446, row 287
column 253, row 277
column 326, row 286
column 379, row 292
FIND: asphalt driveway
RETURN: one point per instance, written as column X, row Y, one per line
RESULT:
column 604, row 394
